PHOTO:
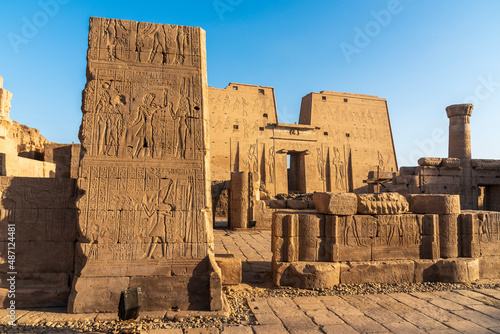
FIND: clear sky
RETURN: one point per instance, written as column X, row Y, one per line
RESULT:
column 421, row 55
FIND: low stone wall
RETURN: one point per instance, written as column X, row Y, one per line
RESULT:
column 383, row 238
column 38, row 226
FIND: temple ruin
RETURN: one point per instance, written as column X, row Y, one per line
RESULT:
column 131, row 205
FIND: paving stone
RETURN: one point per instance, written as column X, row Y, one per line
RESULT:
column 296, row 320
column 339, row 329
column 364, row 324
column 390, row 304
column 237, row 330
column 478, row 318
column 488, row 300
column 403, row 327
column 281, row 302
column 340, row 307
column 426, row 308
column 211, row 330
column 446, row 304
column 274, row 329
column 324, row 317
column 309, row 303
column 490, row 292
column 267, row 319
column 488, row 310
column 422, row 321
column 458, row 298
column 443, row 331
column 465, row 326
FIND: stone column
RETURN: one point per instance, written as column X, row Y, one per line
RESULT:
column 460, row 139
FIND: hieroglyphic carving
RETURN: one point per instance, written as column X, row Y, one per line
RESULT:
column 143, row 176
column 270, row 163
column 339, row 171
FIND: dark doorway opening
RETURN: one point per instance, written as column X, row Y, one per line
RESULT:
column 296, row 172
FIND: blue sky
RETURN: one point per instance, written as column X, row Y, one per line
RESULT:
column 421, row 55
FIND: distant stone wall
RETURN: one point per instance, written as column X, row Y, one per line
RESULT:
column 339, row 139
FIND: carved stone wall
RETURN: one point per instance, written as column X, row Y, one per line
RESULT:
column 434, row 242
column 37, row 224
column 144, row 208
column 334, row 147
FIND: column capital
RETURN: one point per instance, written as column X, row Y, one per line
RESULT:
column 459, row 110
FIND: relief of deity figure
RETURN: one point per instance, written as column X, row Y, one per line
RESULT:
column 140, row 132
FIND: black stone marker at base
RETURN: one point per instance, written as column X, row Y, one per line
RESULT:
column 130, row 304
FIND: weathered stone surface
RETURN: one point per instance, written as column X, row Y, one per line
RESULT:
column 458, row 270
column 276, row 204
column 489, row 267
column 434, row 204
column 239, row 199
column 230, row 267
column 434, row 162
column 297, row 205
column 382, row 204
column 342, row 204
column 448, row 235
column 306, row 275
column 377, row 272
column 407, row 170
column 460, row 137
column 452, row 163
column 145, row 190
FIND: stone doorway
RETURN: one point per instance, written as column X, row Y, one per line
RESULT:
column 296, row 172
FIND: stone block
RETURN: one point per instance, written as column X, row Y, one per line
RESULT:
column 452, row 163
column 306, row 275
column 380, row 175
column 230, row 267
column 458, row 270
column 448, row 235
column 382, row 204
column 40, row 257
column 434, row 162
column 297, row 205
column 37, row 297
column 167, row 292
column 97, row 294
column 434, row 204
column 311, row 229
column 342, row 204
column 276, row 204
column 489, row 267
column 450, row 172
column 407, row 170
column 285, row 224
column 427, row 171
column 377, row 272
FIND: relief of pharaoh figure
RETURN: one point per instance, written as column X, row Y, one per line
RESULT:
column 159, row 209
